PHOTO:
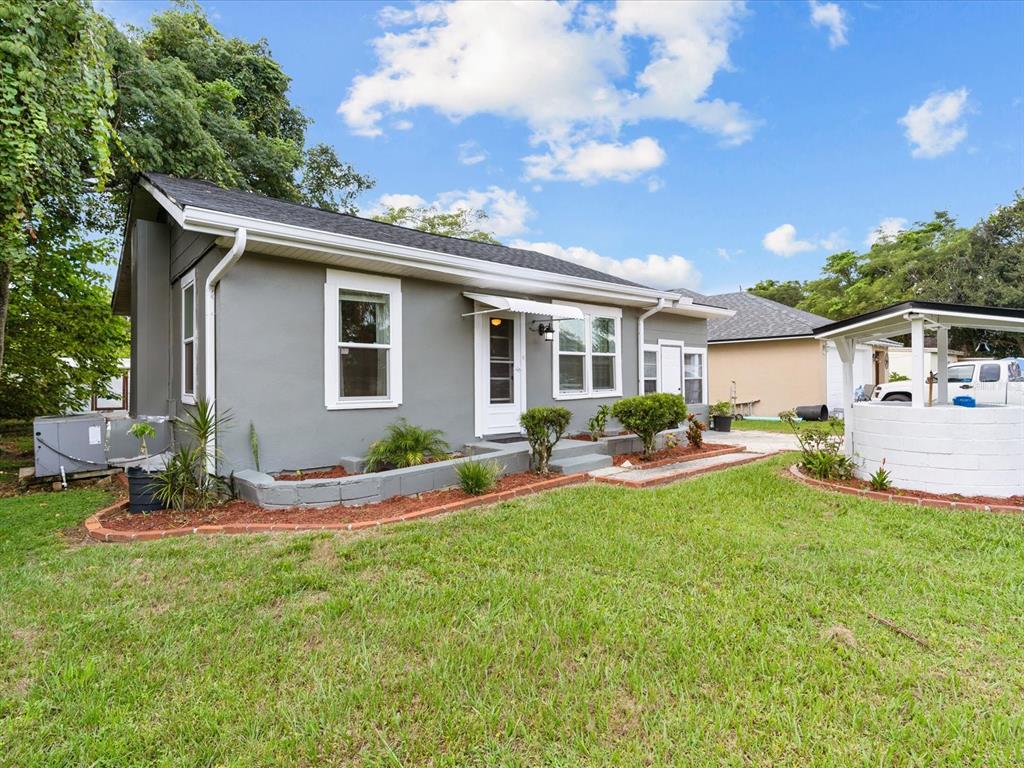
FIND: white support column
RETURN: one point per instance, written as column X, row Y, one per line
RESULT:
column 918, row 385
column 942, row 347
column 847, row 349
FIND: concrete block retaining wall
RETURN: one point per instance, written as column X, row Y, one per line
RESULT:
column 262, row 489
column 944, row 449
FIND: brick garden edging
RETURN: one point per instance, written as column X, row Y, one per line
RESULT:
column 896, row 498
column 96, row 530
column 682, row 474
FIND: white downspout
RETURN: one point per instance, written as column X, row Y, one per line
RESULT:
column 210, row 328
column 640, row 343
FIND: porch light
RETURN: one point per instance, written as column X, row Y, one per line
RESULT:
column 495, row 321
column 547, row 331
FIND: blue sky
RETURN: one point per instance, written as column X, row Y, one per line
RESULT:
column 705, row 146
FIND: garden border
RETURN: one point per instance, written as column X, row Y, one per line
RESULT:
column 896, row 498
column 96, row 530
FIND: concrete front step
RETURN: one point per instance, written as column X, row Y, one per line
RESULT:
column 565, row 448
column 587, row 462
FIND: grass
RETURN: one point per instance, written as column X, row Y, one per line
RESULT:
column 773, row 426
column 691, row 624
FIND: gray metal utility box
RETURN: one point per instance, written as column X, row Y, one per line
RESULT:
column 72, row 443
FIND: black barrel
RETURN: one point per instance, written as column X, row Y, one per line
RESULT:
column 142, row 491
column 812, row 412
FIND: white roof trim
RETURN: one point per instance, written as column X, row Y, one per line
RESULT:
column 511, row 304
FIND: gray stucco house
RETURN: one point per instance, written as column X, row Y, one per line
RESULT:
column 322, row 328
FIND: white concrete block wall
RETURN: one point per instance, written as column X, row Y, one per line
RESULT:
column 970, row 451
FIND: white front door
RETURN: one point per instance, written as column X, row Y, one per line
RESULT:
column 671, row 378
column 500, row 372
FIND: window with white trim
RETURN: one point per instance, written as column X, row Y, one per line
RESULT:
column 650, row 369
column 363, row 344
column 694, row 378
column 588, row 355
column 188, row 338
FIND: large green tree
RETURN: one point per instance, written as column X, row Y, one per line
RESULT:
column 462, row 222
column 64, row 343
column 789, row 292
column 55, row 94
column 193, row 103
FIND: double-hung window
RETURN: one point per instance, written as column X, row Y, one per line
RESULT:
column 588, row 355
column 363, row 341
column 188, row 338
column 650, row 369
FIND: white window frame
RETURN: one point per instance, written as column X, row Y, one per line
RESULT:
column 703, row 352
column 590, row 311
column 338, row 280
column 657, row 367
column 189, row 281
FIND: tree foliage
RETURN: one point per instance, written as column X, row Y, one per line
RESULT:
column 64, row 343
column 462, row 222
column 193, row 103
column 55, row 93
column 790, row 292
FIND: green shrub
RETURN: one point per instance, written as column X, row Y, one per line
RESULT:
column 895, row 376
column 599, row 421
column 544, row 427
column 405, row 445
column 695, row 431
column 477, row 477
column 141, row 430
column 647, row 415
column 721, row 408
column 821, row 449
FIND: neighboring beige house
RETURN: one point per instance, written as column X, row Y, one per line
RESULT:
column 766, row 356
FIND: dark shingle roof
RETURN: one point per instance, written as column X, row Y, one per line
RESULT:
column 699, row 298
column 204, row 194
column 760, row 318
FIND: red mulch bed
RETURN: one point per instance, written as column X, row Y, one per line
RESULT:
column 666, row 455
column 863, row 485
column 242, row 512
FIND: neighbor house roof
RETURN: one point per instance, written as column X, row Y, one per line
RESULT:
column 204, row 194
column 896, row 319
column 758, row 318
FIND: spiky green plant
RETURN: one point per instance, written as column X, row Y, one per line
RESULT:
column 477, row 477
column 405, row 445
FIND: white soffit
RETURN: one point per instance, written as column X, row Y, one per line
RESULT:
column 510, row 304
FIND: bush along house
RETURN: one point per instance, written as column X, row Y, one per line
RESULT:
column 318, row 330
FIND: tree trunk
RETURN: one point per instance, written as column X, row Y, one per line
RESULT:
column 5, row 298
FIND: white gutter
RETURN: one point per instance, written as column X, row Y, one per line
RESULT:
column 210, row 337
column 640, row 343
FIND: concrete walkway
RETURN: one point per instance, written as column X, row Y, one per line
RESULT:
column 635, row 477
column 756, row 442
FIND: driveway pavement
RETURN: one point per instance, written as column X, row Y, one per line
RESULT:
column 756, row 442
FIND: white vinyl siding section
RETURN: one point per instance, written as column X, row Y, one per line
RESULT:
column 362, row 341
column 587, row 354
column 188, row 338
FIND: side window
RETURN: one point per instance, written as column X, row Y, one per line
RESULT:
column 961, row 373
column 989, row 372
column 650, row 371
column 188, row 339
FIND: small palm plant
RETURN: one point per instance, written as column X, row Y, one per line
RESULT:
column 141, row 430
column 189, row 479
column 405, row 445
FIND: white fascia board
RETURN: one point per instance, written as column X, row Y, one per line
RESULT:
column 701, row 311
column 272, row 233
column 172, row 208
column 884, row 324
column 805, row 337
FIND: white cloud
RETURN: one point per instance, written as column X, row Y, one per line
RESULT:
column 653, row 270
column 507, row 211
column 832, row 16
column 563, row 69
column 886, row 230
column 471, row 153
column 933, row 127
column 654, row 184
column 593, row 161
column 724, row 254
column 402, row 125
column 834, row 242
column 782, row 242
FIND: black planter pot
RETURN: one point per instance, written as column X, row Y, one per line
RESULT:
column 723, row 423
column 142, row 491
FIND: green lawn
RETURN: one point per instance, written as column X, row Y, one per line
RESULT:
column 593, row 625
column 774, row 426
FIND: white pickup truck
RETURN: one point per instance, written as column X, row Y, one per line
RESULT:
column 996, row 382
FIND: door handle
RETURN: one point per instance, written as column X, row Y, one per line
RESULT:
column 966, row 386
